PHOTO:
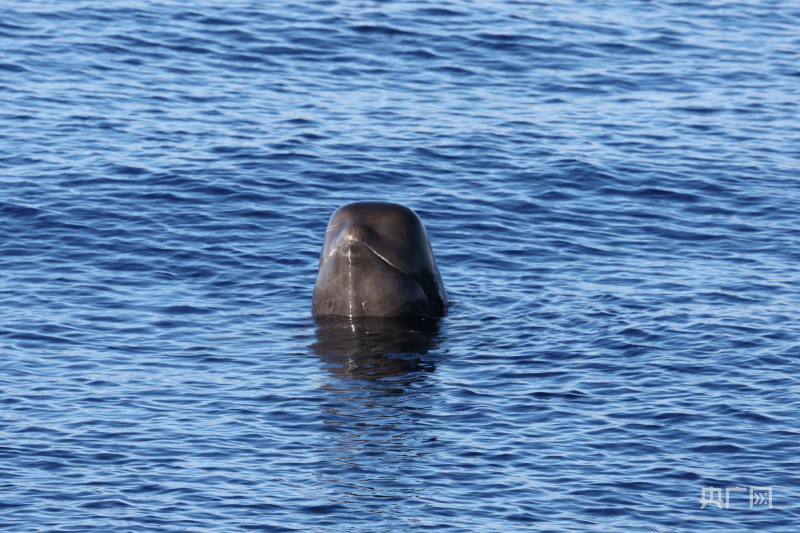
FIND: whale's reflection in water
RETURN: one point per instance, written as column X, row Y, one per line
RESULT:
column 375, row 348
column 378, row 411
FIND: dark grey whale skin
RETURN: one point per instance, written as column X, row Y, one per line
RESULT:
column 377, row 261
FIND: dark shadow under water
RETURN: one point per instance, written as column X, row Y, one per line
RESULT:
column 378, row 403
column 372, row 348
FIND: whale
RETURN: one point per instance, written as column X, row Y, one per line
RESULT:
column 377, row 261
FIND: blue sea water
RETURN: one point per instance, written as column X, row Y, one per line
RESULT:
column 612, row 191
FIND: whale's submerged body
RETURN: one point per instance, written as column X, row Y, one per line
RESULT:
column 377, row 261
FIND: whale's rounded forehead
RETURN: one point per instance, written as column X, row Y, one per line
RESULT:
column 377, row 215
column 392, row 231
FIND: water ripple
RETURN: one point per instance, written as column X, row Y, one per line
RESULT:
column 611, row 193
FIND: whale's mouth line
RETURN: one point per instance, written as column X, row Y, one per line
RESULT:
column 368, row 247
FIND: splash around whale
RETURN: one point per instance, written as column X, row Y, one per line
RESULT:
column 377, row 261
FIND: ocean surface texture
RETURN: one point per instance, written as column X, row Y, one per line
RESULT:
column 611, row 189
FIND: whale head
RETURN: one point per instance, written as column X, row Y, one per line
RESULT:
column 377, row 260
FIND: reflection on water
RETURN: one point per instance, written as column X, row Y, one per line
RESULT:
column 378, row 406
column 375, row 348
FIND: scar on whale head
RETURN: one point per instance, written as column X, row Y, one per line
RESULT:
column 377, row 261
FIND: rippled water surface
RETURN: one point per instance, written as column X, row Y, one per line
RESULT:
column 612, row 193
